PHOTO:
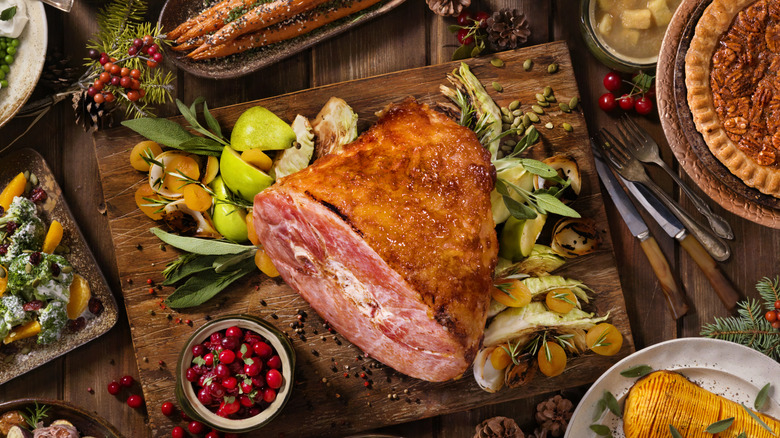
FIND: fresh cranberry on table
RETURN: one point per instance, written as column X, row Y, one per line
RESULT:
column 167, row 409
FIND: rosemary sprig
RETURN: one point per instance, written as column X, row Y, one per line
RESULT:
column 35, row 415
column 601, row 341
column 513, row 351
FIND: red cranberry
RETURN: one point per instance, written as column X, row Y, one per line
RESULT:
column 115, row 80
column 230, row 408
column 275, row 362
column 3, row 248
column 167, row 409
column 236, row 367
column 229, row 382
column 245, row 351
column 126, row 381
column 262, row 350
column 252, row 369
column 230, row 342
column 216, row 390
column 482, row 17
column 38, row 195
column 191, row 375
column 227, row 356
column 273, row 378
column 246, row 387
column 152, row 49
column 198, row 350
column 177, row 432
column 269, row 395
column 245, row 401
column 215, row 338
column 213, row 434
column 95, row 306
column 234, row 332
column 251, row 412
column 33, row 306
column 10, row 227
column 222, row 370
column 209, row 359
column 464, row 18
column 113, row 388
column 35, row 258
column 135, row 401
column 195, row 427
column 204, row 396
column 258, row 381
column 138, row 42
column 55, row 269
column 77, row 324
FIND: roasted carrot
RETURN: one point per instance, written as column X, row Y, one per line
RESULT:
column 289, row 29
column 190, row 44
column 260, row 17
column 206, row 19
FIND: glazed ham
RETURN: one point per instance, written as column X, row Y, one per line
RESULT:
column 392, row 240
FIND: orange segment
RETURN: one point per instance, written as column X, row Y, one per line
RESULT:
column 176, row 167
column 264, row 264
column 79, row 296
column 145, row 191
column 604, row 339
column 32, row 328
column 3, row 280
column 53, row 237
column 197, row 198
column 13, row 189
column 257, row 158
column 145, row 149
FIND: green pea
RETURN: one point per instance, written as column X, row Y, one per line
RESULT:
column 3, row 84
column 2, row 75
column 11, row 50
column 5, row 68
column 15, row 42
column 3, row 45
column 9, row 59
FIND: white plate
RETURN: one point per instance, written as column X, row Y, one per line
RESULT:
column 724, row 368
column 28, row 64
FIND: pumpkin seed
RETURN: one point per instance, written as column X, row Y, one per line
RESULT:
column 35, row 282
column 527, row 119
column 509, row 142
column 514, row 104
column 526, row 123
column 534, row 118
column 550, row 98
column 506, row 119
column 574, row 102
column 67, row 269
column 505, row 126
column 528, row 65
column 537, row 109
column 564, row 107
column 62, row 249
column 543, row 104
column 28, row 187
column 505, row 111
column 540, row 97
column 547, row 91
column 518, row 121
column 529, row 130
column 517, row 112
column 552, row 68
column 497, row 62
column 567, row 127
column 2, row 273
column 549, row 125
column 28, row 268
column 498, row 87
column 27, row 175
column 33, row 179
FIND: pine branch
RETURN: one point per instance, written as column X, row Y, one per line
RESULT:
column 750, row 328
column 769, row 290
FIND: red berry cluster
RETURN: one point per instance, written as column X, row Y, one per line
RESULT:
column 235, row 373
column 773, row 316
column 134, row 401
column 471, row 25
column 117, row 78
column 194, row 427
column 638, row 99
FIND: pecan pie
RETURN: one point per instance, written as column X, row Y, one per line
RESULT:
column 731, row 71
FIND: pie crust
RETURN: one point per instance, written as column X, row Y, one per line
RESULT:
column 731, row 71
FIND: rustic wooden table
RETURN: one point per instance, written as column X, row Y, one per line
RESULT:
column 410, row 36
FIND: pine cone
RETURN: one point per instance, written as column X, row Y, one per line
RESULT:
column 507, row 29
column 448, row 7
column 498, row 427
column 90, row 115
column 553, row 415
column 57, row 74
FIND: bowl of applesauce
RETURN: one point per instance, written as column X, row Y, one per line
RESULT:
column 626, row 35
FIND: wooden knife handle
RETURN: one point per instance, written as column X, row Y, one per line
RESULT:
column 671, row 287
column 722, row 286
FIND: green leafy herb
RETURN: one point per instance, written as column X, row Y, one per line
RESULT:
column 191, row 115
column 601, row 430
column 720, row 426
column 200, row 246
column 758, row 420
column 516, row 209
column 762, row 397
column 637, row 371
column 539, row 168
column 35, row 415
column 162, row 131
column 186, row 265
column 675, row 433
column 199, row 361
column 223, row 263
column 601, row 406
column 8, row 14
column 742, row 435
column 643, row 81
column 200, row 288
column 612, row 404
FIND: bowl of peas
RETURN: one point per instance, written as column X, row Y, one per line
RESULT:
column 21, row 62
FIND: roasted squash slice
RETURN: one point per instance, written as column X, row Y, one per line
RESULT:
column 666, row 398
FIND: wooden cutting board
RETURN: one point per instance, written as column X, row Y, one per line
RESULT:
column 329, row 397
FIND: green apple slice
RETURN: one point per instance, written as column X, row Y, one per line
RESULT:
column 242, row 178
column 228, row 219
column 519, row 236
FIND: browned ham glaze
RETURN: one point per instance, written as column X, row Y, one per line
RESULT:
column 392, row 240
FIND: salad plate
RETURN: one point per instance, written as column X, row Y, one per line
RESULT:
column 28, row 64
column 25, row 356
column 727, row 369
column 87, row 423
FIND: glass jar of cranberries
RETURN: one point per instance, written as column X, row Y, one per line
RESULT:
column 235, row 373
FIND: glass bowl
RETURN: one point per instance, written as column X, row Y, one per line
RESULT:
column 188, row 399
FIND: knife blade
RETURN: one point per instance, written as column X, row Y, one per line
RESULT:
column 674, row 228
column 636, row 225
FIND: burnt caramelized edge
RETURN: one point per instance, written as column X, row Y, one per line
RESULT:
column 335, row 211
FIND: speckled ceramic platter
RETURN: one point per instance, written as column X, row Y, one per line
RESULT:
column 724, row 368
column 87, row 423
column 687, row 144
column 27, row 67
column 22, row 356
column 175, row 12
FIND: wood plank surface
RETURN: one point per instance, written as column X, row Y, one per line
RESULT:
column 334, row 403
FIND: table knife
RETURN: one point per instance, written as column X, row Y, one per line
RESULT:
column 674, row 228
column 636, row 225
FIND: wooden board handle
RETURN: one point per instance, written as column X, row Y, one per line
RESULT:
column 672, row 288
column 722, row 286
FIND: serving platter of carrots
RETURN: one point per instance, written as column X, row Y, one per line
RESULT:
column 231, row 38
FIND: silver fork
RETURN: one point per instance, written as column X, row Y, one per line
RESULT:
column 631, row 169
column 645, row 149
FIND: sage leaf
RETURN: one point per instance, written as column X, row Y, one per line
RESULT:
column 201, row 146
column 200, row 288
column 211, row 121
column 612, row 404
column 454, row 28
column 758, row 420
column 226, row 262
column 762, row 397
column 601, row 406
column 742, row 435
column 462, row 52
column 189, row 115
column 637, row 371
column 8, row 14
column 674, row 432
column 193, row 265
column 194, row 105
column 719, row 426
column 162, row 131
column 551, row 204
column 516, row 208
column 601, row 430
column 538, row 168
column 200, row 246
